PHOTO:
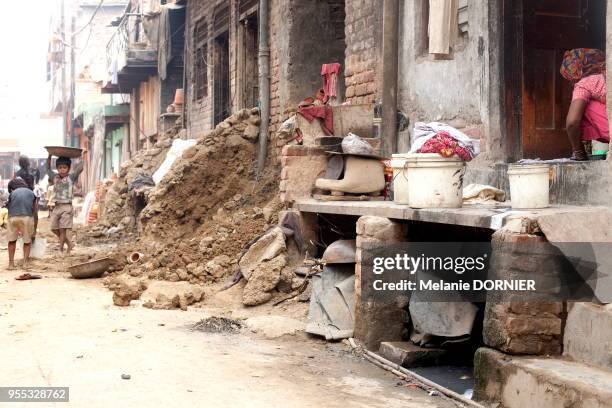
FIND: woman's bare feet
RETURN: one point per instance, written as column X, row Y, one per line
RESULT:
column 11, row 266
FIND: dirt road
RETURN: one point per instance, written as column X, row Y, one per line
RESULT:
column 62, row 332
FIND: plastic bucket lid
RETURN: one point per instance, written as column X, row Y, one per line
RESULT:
column 431, row 157
column 528, row 168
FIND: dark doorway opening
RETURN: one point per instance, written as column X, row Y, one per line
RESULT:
column 324, row 44
column 222, row 108
column 537, row 97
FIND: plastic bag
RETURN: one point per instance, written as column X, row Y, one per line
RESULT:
column 288, row 128
column 38, row 249
column 353, row 144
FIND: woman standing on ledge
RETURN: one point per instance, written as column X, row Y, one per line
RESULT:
column 587, row 117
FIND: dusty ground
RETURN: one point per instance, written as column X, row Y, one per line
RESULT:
column 59, row 331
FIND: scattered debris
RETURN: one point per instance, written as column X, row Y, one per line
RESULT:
column 126, row 289
column 171, row 295
column 216, row 324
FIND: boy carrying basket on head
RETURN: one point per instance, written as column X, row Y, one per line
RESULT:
column 63, row 192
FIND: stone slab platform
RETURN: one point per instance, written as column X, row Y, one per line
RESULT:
column 494, row 217
column 520, row 382
column 408, row 355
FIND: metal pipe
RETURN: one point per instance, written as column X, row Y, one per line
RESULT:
column 389, row 76
column 73, row 139
column 264, row 84
column 64, row 96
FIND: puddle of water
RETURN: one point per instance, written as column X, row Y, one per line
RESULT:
column 458, row 379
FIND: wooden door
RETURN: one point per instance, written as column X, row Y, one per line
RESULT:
column 552, row 27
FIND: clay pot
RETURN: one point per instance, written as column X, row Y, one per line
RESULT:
column 179, row 97
column 135, row 257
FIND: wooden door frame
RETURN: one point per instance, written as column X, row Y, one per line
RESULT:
column 512, row 65
column 241, row 77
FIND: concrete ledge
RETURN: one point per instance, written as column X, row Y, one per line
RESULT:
column 588, row 334
column 472, row 216
column 520, row 382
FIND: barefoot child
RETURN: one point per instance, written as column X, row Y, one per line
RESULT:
column 63, row 192
column 21, row 206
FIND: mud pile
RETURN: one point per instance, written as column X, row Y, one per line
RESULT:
column 208, row 209
column 122, row 203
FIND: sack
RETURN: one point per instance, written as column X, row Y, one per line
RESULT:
column 353, row 144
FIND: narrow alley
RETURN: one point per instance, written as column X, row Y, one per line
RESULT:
column 58, row 331
column 306, row 203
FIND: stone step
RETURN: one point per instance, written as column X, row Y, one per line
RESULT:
column 588, row 334
column 520, row 382
column 408, row 354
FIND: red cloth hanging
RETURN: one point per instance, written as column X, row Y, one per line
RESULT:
column 330, row 73
column 323, row 112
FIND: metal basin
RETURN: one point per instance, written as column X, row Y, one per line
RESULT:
column 91, row 269
column 65, row 151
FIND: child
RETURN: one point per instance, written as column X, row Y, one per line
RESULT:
column 49, row 197
column 21, row 206
column 29, row 175
column 63, row 192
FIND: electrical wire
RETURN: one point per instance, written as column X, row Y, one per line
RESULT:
column 91, row 19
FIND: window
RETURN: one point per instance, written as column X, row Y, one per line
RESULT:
column 201, row 59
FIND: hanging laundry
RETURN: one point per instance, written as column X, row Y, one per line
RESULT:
column 323, row 112
column 443, row 26
column 330, row 73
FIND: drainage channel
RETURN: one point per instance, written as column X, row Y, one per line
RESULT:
column 454, row 382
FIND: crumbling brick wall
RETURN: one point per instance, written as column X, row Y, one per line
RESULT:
column 377, row 318
column 363, row 50
column 301, row 166
column 517, row 326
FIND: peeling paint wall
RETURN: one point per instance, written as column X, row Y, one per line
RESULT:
column 452, row 89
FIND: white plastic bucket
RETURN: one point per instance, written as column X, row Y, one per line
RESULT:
column 529, row 185
column 400, row 179
column 434, row 181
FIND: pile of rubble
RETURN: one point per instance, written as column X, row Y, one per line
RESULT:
column 202, row 218
column 122, row 201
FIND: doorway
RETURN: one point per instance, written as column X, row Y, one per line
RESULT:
column 538, row 32
column 248, row 60
column 222, row 107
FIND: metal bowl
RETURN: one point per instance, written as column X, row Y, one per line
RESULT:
column 91, row 269
column 64, row 151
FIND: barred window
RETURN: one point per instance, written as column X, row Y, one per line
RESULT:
column 201, row 59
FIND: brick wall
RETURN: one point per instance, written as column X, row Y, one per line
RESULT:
column 200, row 112
column 363, row 31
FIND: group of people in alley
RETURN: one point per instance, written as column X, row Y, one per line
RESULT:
column 22, row 206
